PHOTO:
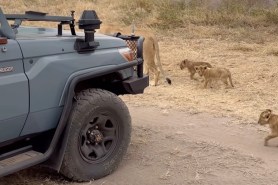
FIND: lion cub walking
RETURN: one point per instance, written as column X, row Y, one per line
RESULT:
column 213, row 74
column 266, row 117
column 191, row 66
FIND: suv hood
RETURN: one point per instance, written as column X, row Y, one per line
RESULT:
column 33, row 45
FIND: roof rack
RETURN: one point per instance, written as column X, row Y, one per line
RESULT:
column 40, row 16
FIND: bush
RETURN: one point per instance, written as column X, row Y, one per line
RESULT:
column 272, row 16
column 178, row 13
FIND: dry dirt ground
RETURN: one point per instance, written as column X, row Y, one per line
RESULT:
column 185, row 134
column 177, row 148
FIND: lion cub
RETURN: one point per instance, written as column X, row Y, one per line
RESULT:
column 213, row 74
column 191, row 66
column 267, row 117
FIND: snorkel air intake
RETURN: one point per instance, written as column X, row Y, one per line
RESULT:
column 88, row 22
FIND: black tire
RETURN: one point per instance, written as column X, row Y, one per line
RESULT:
column 99, row 135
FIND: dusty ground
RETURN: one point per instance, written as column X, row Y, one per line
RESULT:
column 177, row 148
column 184, row 134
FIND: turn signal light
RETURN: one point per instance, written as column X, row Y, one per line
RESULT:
column 127, row 54
column 3, row 40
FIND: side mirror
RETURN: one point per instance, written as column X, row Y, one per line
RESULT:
column 6, row 30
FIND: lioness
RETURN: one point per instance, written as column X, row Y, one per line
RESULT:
column 150, row 49
column 190, row 65
column 211, row 74
column 266, row 117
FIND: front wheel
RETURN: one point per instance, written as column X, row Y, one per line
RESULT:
column 99, row 135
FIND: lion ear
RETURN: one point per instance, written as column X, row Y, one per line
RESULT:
column 268, row 113
column 268, row 110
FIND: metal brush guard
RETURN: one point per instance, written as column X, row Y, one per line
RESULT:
column 135, row 43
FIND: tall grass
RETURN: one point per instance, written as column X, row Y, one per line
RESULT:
column 163, row 14
column 178, row 13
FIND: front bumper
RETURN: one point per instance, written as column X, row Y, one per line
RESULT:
column 136, row 85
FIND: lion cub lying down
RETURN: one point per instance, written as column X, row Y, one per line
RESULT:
column 213, row 74
column 266, row 117
column 190, row 65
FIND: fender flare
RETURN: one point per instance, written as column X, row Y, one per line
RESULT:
column 62, row 132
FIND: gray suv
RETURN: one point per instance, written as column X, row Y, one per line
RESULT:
column 59, row 90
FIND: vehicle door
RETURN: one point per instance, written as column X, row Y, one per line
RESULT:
column 14, row 93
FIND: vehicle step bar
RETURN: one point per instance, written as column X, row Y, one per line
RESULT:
column 15, row 160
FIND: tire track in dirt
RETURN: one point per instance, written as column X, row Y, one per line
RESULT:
column 246, row 138
column 195, row 149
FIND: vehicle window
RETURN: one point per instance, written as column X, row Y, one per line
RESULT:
column 35, row 31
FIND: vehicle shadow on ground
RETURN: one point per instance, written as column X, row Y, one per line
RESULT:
column 34, row 176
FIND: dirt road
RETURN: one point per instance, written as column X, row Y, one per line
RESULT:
column 176, row 148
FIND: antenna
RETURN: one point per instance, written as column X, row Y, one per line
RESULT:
column 133, row 28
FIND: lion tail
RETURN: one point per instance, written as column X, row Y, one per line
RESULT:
column 156, row 47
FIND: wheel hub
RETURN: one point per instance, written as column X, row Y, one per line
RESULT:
column 98, row 138
column 94, row 136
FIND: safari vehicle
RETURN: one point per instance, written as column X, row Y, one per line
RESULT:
column 59, row 103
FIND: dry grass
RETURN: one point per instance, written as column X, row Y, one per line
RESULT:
column 203, row 33
column 254, row 73
column 178, row 13
column 242, row 47
column 273, row 51
column 239, row 37
column 161, row 13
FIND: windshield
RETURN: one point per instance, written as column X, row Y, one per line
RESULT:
column 36, row 31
